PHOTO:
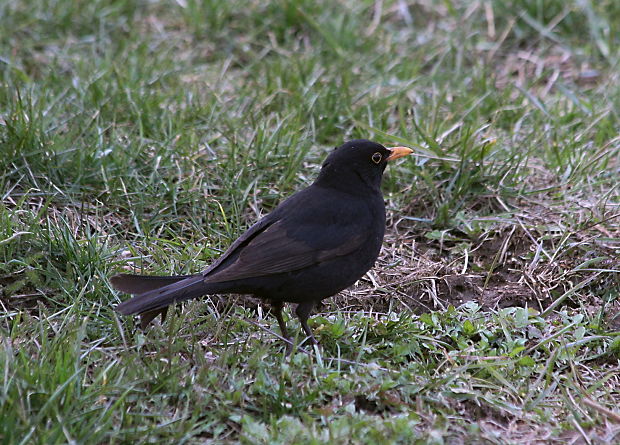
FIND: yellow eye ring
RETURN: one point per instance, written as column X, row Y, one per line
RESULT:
column 376, row 158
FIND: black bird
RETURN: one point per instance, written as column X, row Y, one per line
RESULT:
column 316, row 243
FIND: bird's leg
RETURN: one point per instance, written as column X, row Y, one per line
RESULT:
column 277, row 306
column 303, row 312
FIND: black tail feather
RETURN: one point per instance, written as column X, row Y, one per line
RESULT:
column 155, row 293
column 147, row 317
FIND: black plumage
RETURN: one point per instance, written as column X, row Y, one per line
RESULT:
column 314, row 244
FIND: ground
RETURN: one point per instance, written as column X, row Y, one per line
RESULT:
column 147, row 135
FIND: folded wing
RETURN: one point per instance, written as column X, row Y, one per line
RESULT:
column 274, row 250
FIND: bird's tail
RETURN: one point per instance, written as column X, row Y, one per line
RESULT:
column 154, row 294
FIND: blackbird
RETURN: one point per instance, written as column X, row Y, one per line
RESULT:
column 316, row 243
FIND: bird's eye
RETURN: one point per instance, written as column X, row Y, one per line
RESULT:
column 376, row 158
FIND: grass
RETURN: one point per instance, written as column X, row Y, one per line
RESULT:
column 149, row 135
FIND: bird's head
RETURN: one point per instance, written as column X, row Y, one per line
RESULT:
column 358, row 164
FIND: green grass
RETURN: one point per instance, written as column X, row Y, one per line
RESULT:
column 149, row 135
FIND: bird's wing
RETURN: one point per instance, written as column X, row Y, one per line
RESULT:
column 280, row 247
column 239, row 243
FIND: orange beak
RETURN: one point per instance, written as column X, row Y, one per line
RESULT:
column 398, row 152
